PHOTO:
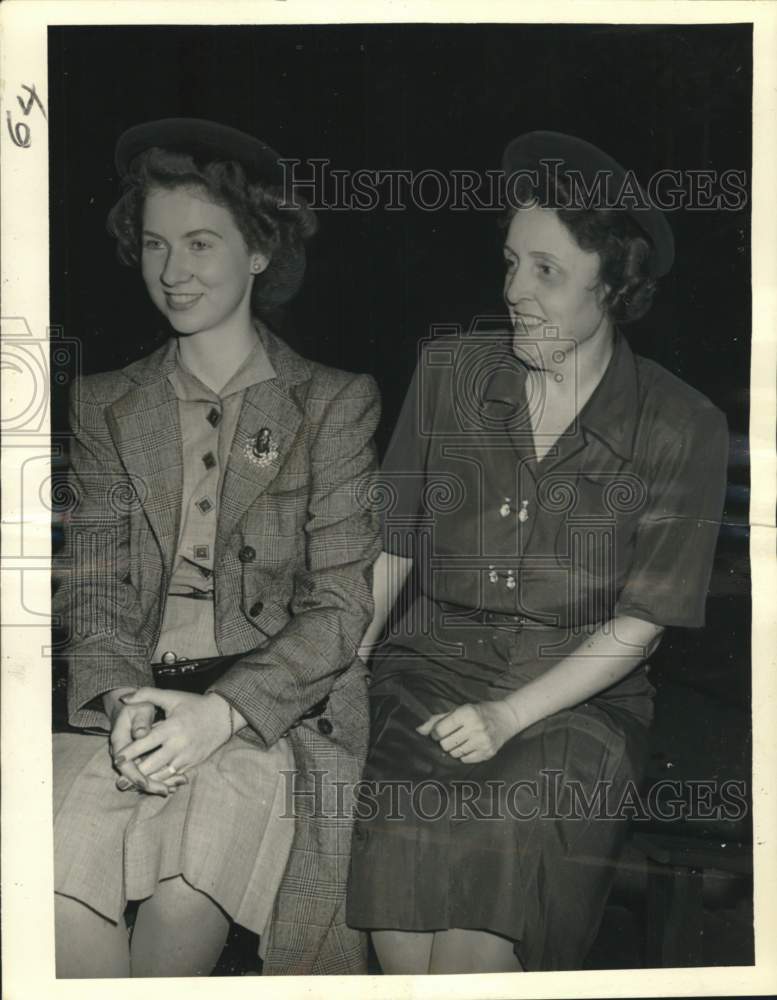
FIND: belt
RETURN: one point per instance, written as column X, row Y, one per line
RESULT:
column 495, row 619
column 196, row 676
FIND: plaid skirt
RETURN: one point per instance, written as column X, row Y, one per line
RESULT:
column 227, row 832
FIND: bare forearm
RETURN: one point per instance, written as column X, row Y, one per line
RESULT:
column 603, row 659
column 389, row 576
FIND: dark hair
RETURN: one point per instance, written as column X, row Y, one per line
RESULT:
column 269, row 221
column 624, row 249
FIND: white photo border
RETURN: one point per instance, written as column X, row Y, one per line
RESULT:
column 28, row 951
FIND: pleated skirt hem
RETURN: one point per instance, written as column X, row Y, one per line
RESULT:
column 225, row 832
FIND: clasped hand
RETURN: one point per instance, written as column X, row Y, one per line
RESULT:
column 473, row 732
column 153, row 756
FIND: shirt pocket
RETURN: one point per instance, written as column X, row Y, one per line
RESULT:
column 619, row 494
column 600, row 514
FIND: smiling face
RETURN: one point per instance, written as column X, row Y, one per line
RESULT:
column 551, row 281
column 195, row 263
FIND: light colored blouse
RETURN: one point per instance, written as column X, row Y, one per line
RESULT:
column 208, row 421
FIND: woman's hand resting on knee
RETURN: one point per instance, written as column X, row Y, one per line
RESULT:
column 194, row 727
column 473, row 732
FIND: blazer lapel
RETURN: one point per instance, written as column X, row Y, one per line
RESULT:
column 267, row 406
column 145, row 428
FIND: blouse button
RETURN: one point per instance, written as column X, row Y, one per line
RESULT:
column 256, row 609
column 523, row 513
column 324, row 727
column 247, row 554
column 505, row 509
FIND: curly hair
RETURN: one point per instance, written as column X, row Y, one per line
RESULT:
column 624, row 250
column 269, row 221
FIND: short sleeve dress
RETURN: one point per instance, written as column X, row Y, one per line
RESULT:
column 516, row 563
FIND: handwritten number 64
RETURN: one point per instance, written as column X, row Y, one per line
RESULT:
column 20, row 133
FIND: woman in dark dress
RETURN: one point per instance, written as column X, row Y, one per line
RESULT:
column 558, row 499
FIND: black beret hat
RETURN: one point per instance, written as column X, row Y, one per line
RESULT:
column 206, row 142
column 605, row 182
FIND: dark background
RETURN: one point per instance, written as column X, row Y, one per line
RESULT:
column 446, row 97
column 416, row 96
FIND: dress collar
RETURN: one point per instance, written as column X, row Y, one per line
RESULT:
column 610, row 413
column 612, row 410
column 256, row 368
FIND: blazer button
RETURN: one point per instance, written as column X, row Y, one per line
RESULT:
column 256, row 609
column 247, row 554
column 324, row 726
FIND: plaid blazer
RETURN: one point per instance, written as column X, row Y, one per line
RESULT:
column 295, row 545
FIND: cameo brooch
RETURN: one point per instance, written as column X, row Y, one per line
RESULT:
column 261, row 450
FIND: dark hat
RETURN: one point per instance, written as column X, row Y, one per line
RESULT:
column 604, row 183
column 205, row 141
column 208, row 141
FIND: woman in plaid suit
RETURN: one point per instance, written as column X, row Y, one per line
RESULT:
column 218, row 530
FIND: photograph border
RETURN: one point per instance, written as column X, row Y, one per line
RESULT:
column 27, row 853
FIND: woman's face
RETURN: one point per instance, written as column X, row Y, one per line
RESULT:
column 550, row 282
column 195, row 263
